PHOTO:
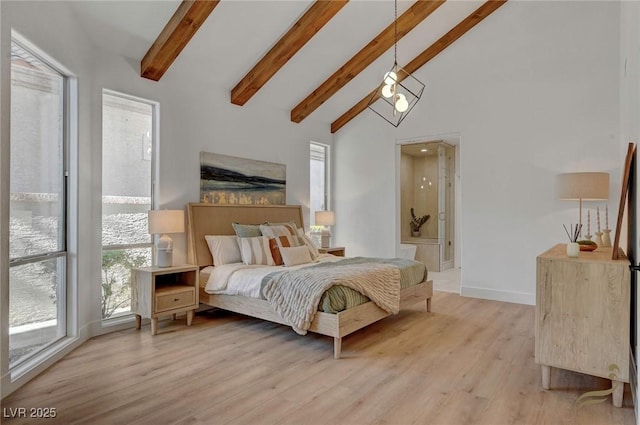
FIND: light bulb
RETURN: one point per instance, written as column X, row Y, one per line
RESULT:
column 390, row 78
column 401, row 103
column 387, row 91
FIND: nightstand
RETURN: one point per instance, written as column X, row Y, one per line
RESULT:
column 162, row 291
column 338, row 251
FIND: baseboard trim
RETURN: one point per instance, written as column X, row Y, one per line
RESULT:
column 33, row 367
column 23, row 373
column 495, row 295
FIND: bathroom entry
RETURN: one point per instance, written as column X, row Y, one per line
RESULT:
column 427, row 202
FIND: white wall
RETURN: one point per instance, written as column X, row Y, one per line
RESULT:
column 533, row 91
column 630, row 72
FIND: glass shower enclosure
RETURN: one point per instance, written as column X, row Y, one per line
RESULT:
column 427, row 189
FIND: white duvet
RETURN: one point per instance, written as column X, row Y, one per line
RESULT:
column 240, row 279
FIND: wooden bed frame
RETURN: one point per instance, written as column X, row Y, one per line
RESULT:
column 212, row 219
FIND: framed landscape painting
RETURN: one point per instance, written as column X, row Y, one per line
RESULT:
column 231, row 180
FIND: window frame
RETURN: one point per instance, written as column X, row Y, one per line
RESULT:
column 327, row 179
column 155, row 125
column 65, row 307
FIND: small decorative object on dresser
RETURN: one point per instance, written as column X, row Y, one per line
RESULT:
column 606, row 233
column 416, row 223
column 163, row 291
column 573, row 248
column 599, row 231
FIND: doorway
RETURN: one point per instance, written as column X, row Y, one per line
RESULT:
column 428, row 204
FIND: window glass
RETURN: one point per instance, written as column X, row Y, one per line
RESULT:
column 318, row 179
column 126, row 170
column 127, row 161
column 34, row 313
column 37, row 219
column 37, row 156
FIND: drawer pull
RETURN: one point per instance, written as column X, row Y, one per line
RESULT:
column 176, row 299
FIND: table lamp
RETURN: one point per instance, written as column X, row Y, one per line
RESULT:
column 583, row 187
column 325, row 218
column 162, row 222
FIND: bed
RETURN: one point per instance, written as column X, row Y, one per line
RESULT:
column 213, row 219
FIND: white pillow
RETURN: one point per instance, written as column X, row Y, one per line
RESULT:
column 313, row 249
column 224, row 249
column 295, row 255
column 256, row 251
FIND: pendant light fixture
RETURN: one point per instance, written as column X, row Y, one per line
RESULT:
column 399, row 90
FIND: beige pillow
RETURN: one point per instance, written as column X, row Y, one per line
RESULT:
column 256, row 251
column 295, row 255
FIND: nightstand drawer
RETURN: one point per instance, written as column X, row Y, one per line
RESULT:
column 170, row 299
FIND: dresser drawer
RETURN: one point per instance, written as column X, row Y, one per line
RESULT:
column 175, row 298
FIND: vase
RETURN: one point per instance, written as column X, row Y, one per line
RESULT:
column 573, row 249
column 415, row 233
column 606, row 238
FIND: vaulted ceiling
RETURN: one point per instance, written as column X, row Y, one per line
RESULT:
column 320, row 59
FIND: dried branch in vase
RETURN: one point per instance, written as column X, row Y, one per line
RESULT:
column 417, row 222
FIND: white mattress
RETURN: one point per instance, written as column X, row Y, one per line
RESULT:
column 240, row 279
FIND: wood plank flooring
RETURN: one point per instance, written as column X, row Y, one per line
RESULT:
column 468, row 362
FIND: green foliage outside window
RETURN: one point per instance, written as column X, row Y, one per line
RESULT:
column 116, row 278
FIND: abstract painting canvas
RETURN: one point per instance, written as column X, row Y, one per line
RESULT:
column 231, row 180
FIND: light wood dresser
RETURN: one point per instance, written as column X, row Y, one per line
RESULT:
column 582, row 315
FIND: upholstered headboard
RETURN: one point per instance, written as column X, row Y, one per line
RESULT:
column 213, row 219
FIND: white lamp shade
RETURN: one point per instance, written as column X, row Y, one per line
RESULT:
column 584, row 186
column 325, row 218
column 166, row 221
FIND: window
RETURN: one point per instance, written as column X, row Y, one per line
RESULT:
column 127, row 167
column 319, row 178
column 38, row 202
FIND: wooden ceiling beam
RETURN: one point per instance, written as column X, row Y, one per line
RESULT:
column 417, row 13
column 184, row 23
column 432, row 51
column 300, row 33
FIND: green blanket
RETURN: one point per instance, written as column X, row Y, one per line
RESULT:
column 339, row 298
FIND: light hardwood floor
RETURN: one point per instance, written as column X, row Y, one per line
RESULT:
column 468, row 362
